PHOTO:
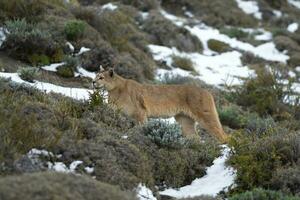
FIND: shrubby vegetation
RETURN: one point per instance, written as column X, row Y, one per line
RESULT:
column 28, row 73
column 27, row 42
column 261, row 194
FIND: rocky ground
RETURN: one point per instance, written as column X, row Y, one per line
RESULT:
column 59, row 139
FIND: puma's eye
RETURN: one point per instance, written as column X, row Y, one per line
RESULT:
column 101, row 78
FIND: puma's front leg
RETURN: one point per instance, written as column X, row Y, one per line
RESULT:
column 140, row 116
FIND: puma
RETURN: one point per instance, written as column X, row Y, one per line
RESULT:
column 187, row 103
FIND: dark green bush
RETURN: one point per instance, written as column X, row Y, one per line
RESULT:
column 263, row 93
column 74, row 29
column 164, row 134
column 256, row 158
column 70, row 66
column 96, row 98
column 28, row 73
column 261, row 194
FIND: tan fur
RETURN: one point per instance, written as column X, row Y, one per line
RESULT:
column 186, row 103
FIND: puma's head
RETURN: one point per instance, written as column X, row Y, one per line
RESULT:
column 104, row 78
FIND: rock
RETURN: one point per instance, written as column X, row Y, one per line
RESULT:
column 28, row 165
column 286, row 43
column 294, row 60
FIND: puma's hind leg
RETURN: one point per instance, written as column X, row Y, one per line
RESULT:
column 187, row 126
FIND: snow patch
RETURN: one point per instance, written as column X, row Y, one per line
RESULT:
column 295, row 3
column 213, row 70
column 70, row 46
column 277, row 13
column 76, row 93
column 89, row 170
column 83, row 72
column 178, row 21
column 266, row 51
column 2, row 36
column 250, row 8
column 144, row 193
column 83, row 50
column 109, row 6
column 52, row 67
column 74, row 165
column 218, row 178
column 293, row 27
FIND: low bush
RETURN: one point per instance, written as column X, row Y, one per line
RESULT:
column 164, row 134
column 234, row 32
column 183, row 63
column 218, row 46
column 68, row 69
column 262, row 194
column 256, row 158
column 231, row 116
column 74, row 29
column 28, row 73
column 27, row 42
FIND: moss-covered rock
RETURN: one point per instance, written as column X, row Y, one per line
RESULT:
column 183, row 63
column 294, row 60
column 58, row 186
column 218, row 46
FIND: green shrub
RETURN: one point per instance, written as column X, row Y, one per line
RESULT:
column 231, row 116
column 263, row 93
column 164, row 133
column 183, row 63
column 218, row 46
column 39, row 60
column 68, row 69
column 65, row 71
column 74, row 29
column 256, row 158
column 261, row 194
column 28, row 73
column 96, row 98
column 234, row 32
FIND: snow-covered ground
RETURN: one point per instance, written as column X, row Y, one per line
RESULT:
column 35, row 155
column 250, row 8
column 76, row 93
column 293, row 27
column 2, row 36
column 144, row 193
column 109, row 6
column 295, row 3
column 218, row 177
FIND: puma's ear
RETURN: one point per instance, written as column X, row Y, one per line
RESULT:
column 111, row 72
column 101, row 69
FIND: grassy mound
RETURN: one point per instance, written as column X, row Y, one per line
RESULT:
column 58, row 186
